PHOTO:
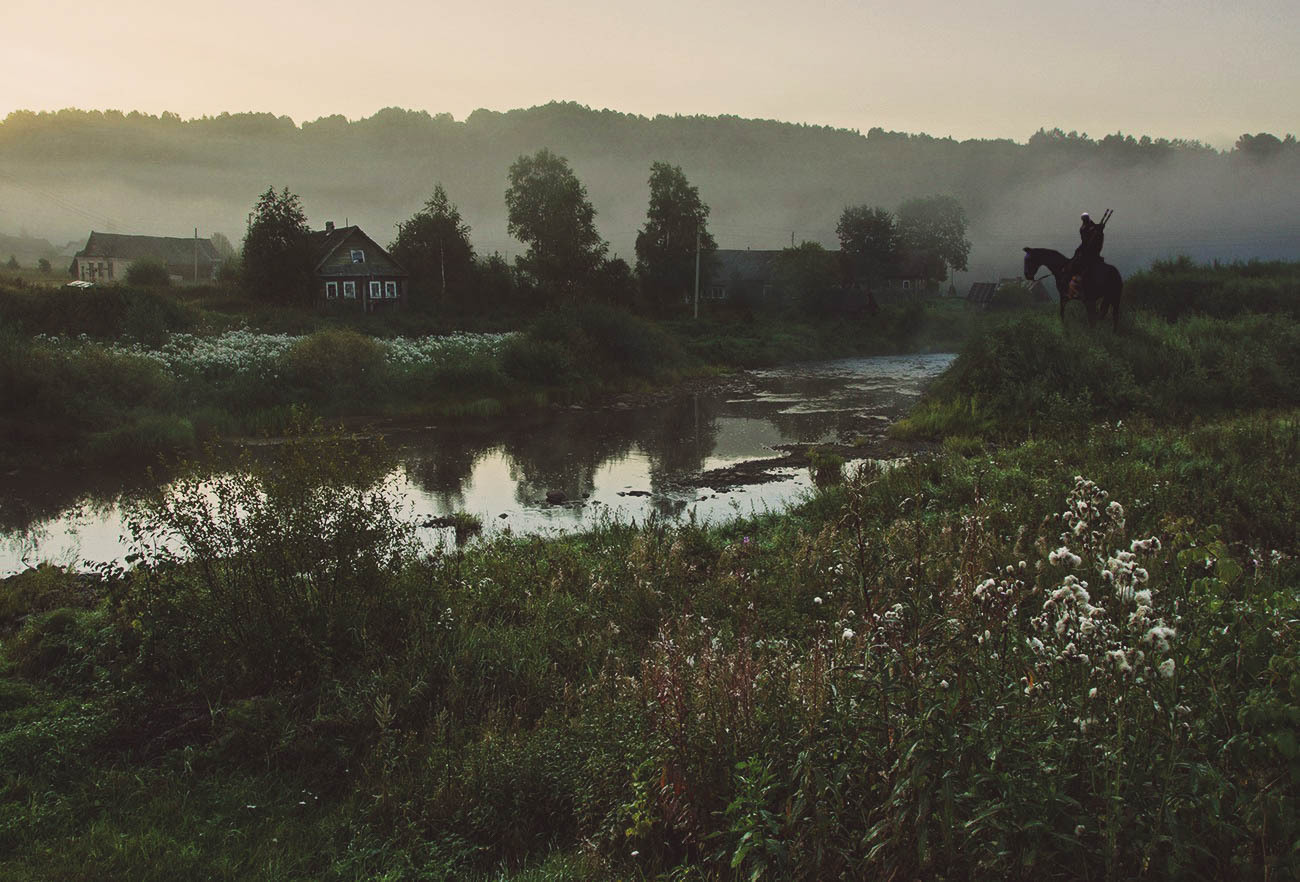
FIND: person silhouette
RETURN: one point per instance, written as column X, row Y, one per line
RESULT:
column 1087, row 257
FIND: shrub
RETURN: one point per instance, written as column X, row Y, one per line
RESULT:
column 147, row 272
column 288, row 572
column 336, row 363
column 606, row 342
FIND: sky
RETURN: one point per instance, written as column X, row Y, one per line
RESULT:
column 1197, row 69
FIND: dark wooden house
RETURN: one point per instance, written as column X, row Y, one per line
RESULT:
column 353, row 271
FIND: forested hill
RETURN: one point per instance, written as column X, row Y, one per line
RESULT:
column 64, row 173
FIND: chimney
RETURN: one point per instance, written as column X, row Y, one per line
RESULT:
column 329, row 226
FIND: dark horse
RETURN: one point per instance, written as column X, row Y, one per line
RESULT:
column 1104, row 283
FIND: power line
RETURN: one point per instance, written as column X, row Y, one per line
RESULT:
column 113, row 225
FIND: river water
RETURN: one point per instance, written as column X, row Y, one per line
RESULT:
column 630, row 460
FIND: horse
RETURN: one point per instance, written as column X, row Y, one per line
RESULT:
column 1104, row 284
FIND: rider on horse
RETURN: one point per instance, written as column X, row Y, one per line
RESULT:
column 1087, row 257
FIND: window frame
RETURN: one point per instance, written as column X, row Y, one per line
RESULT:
column 376, row 290
column 349, row 290
column 358, row 255
column 331, row 290
column 390, row 290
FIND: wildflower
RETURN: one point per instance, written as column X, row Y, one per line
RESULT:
column 1166, row 668
column 1064, row 555
column 817, row 601
column 943, row 684
column 848, row 634
column 1159, row 637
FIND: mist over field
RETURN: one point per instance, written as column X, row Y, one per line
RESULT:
column 64, row 174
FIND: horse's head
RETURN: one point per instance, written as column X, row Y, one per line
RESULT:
column 1031, row 265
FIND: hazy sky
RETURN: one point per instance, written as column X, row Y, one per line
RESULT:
column 1200, row 69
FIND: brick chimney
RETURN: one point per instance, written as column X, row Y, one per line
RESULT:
column 329, row 226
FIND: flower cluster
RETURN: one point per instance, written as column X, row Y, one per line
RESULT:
column 251, row 352
column 1114, row 638
column 1090, row 519
column 412, row 351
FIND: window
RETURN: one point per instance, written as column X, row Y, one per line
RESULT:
column 907, row 285
column 717, row 292
column 331, row 290
column 390, row 290
column 349, row 290
column 358, row 256
column 376, row 290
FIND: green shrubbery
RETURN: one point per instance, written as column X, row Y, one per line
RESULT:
column 1180, row 287
column 102, row 312
column 1034, row 374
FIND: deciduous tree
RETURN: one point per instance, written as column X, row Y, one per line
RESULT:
column 666, row 245
column 277, row 248
column 868, row 243
column 933, row 230
column 434, row 247
column 548, row 210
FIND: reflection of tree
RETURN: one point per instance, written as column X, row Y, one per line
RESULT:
column 46, row 495
column 442, row 468
column 565, row 452
column 679, row 436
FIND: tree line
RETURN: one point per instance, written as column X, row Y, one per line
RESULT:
column 567, row 260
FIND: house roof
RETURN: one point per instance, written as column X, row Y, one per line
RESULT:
column 982, row 292
column 744, row 266
column 168, row 249
column 325, row 242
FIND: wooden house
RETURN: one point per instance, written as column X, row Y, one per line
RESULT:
column 108, row 256
column 353, row 271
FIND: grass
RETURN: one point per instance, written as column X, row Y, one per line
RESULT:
column 807, row 694
column 1032, row 374
column 1064, row 645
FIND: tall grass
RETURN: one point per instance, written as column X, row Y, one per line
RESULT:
column 1181, row 287
column 1033, row 374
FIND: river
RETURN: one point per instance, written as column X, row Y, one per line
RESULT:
column 631, row 459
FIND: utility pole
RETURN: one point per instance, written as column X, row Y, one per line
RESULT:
column 697, row 269
column 196, row 255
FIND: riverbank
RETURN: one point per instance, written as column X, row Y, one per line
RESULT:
column 630, row 700
column 1062, row 647
column 112, row 394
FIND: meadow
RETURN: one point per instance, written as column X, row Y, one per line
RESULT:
column 1060, row 647
column 103, row 377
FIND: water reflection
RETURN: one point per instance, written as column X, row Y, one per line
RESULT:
column 624, row 460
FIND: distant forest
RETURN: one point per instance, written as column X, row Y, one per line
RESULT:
column 67, row 172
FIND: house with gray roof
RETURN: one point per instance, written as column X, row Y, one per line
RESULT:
column 352, row 270
column 108, row 256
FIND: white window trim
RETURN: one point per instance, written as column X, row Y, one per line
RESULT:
column 358, row 256
column 390, row 290
column 331, row 290
column 349, row 290
column 376, row 291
